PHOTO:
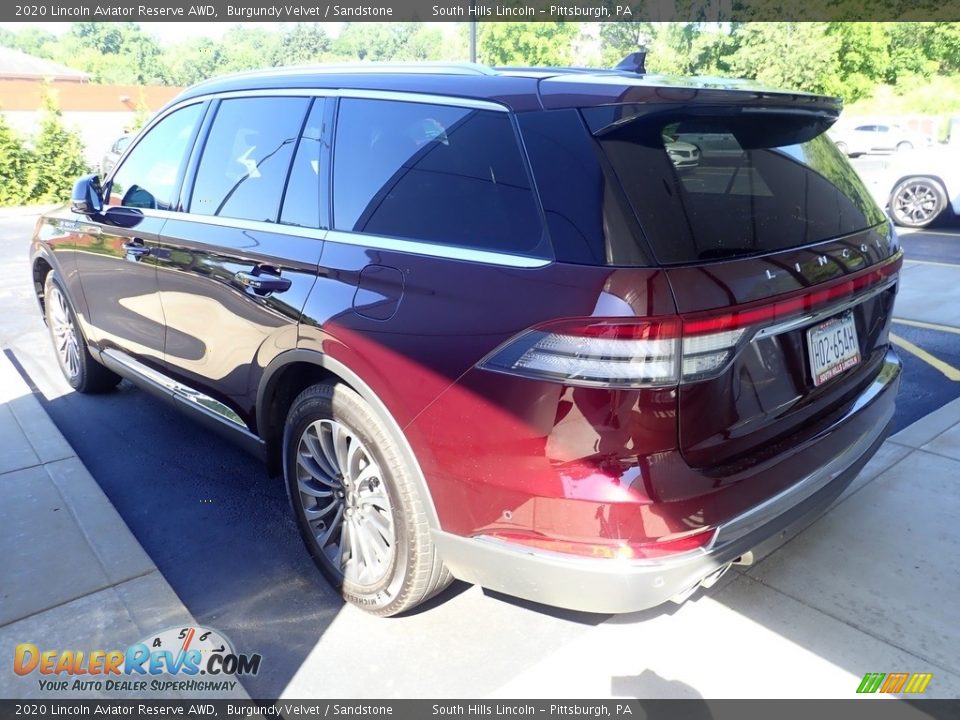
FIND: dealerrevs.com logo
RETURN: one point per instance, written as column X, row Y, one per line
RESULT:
column 188, row 659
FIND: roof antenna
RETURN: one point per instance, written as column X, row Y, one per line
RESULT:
column 634, row 63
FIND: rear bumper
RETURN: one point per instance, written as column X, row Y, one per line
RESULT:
column 618, row 586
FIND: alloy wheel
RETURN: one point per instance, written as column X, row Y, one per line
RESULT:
column 345, row 502
column 64, row 332
column 916, row 203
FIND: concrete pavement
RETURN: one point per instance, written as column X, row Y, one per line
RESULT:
column 72, row 575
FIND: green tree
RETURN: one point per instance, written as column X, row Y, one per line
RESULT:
column 302, row 43
column 16, row 168
column 33, row 41
column 527, row 43
column 619, row 39
column 862, row 57
column 194, row 60
column 799, row 56
column 57, row 156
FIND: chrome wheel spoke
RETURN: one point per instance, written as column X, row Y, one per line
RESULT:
column 65, row 340
column 314, row 449
column 314, row 469
column 327, row 533
column 345, row 501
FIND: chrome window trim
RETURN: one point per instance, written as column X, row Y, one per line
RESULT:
column 240, row 224
column 357, row 93
column 379, row 242
column 450, row 252
column 423, row 98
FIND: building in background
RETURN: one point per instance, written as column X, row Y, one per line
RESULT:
column 101, row 113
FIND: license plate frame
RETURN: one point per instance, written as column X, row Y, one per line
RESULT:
column 833, row 347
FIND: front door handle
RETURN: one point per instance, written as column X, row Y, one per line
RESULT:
column 135, row 249
column 262, row 282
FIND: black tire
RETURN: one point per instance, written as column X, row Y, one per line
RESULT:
column 81, row 371
column 917, row 202
column 904, row 146
column 414, row 572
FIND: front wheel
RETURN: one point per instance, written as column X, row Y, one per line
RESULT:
column 81, row 371
column 917, row 202
column 904, row 146
column 842, row 147
column 355, row 502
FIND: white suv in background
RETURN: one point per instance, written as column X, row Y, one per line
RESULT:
column 878, row 137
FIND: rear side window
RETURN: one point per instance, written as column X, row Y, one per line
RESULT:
column 435, row 173
column 246, row 157
column 707, row 187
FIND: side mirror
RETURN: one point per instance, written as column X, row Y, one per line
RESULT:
column 87, row 198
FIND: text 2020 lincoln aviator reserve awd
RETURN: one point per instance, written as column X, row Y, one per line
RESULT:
column 487, row 326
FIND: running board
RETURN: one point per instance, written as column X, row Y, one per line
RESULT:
column 210, row 412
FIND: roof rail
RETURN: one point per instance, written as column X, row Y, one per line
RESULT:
column 426, row 68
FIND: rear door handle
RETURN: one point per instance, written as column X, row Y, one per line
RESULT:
column 136, row 249
column 262, row 282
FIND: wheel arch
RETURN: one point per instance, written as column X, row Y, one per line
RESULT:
column 41, row 265
column 293, row 371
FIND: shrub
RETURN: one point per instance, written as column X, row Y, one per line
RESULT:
column 16, row 167
column 57, row 156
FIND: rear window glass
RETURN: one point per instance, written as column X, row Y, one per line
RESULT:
column 707, row 187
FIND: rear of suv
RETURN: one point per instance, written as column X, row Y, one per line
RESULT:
column 487, row 326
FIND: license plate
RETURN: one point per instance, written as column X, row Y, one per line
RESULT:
column 833, row 347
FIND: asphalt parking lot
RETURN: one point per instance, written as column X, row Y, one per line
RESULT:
column 221, row 533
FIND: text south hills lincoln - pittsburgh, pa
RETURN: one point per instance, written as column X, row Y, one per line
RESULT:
column 555, row 11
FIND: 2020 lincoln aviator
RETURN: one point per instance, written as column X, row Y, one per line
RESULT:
column 486, row 326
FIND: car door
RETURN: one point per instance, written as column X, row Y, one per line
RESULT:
column 116, row 255
column 236, row 269
column 884, row 138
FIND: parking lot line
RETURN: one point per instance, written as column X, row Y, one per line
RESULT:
column 948, row 370
column 927, row 325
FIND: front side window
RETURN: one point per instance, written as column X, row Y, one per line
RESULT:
column 149, row 175
column 246, row 157
column 434, row 173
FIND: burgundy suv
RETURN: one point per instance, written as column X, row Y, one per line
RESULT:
column 488, row 325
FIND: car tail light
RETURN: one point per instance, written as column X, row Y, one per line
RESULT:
column 614, row 352
column 615, row 549
column 659, row 351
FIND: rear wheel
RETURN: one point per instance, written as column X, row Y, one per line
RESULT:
column 81, row 371
column 355, row 503
column 917, row 202
column 842, row 147
column 904, row 146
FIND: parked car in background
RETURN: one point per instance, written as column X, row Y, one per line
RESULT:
column 483, row 325
column 682, row 154
column 112, row 155
column 918, row 188
column 866, row 138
